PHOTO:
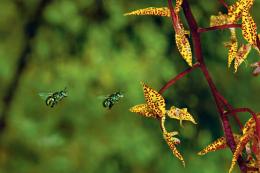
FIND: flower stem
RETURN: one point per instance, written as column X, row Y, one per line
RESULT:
column 179, row 76
column 226, row 26
column 229, row 107
column 198, row 54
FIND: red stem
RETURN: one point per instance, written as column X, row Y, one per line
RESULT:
column 257, row 120
column 241, row 110
column 223, row 3
column 226, row 26
column 198, row 54
column 258, row 42
column 174, row 17
column 229, row 107
column 179, row 76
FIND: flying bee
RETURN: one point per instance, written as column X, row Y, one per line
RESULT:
column 112, row 99
column 51, row 99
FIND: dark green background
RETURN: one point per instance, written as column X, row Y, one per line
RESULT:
column 90, row 47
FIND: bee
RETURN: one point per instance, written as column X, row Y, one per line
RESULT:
column 52, row 99
column 112, row 99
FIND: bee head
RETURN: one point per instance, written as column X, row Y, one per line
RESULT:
column 64, row 92
column 119, row 94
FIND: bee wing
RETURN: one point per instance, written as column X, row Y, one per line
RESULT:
column 44, row 95
column 102, row 97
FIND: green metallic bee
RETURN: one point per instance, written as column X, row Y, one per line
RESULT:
column 52, row 99
column 112, row 99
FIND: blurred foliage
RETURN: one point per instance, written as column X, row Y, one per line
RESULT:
column 89, row 47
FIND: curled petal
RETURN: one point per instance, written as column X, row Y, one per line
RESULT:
column 155, row 101
column 220, row 19
column 171, row 143
column 142, row 109
column 242, row 53
column 248, row 134
column 151, row 11
column 180, row 114
column 232, row 45
column 168, row 136
column 219, row 144
column 256, row 65
column 256, row 71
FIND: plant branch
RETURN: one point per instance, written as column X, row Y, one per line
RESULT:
column 30, row 30
column 221, row 103
column 258, row 42
column 198, row 54
column 226, row 26
column 229, row 107
column 174, row 17
column 237, row 110
column 179, row 76
column 257, row 120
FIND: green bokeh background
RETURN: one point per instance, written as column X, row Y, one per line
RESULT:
column 92, row 49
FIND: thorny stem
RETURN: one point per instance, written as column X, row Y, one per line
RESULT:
column 226, row 26
column 219, row 99
column 179, row 76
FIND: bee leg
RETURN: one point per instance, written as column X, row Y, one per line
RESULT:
column 104, row 103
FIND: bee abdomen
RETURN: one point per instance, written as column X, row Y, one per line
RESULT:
column 107, row 103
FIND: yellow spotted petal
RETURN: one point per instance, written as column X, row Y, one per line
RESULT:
column 183, row 46
column 180, row 114
column 171, row 143
column 154, row 100
column 218, row 20
column 249, row 28
column 248, row 134
column 242, row 53
column 232, row 45
column 232, row 51
column 219, row 144
column 249, row 126
column 142, row 109
column 235, row 10
column 178, row 6
column 240, row 146
column 151, row 11
column 168, row 136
